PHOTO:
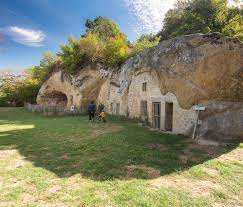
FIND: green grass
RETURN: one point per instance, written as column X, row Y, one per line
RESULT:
column 68, row 161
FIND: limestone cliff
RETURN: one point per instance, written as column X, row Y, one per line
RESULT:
column 196, row 68
column 72, row 90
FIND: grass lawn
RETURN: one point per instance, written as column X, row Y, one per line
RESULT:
column 68, row 161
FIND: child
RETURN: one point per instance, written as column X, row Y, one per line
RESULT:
column 72, row 109
column 102, row 116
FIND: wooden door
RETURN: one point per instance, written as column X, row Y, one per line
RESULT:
column 168, row 116
column 156, row 114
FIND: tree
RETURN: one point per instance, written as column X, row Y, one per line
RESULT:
column 91, row 47
column 115, row 51
column 145, row 41
column 202, row 16
column 39, row 72
column 15, row 89
column 71, row 55
column 103, row 27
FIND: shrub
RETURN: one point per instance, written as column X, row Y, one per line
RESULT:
column 115, row 51
column 71, row 55
column 91, row 47
column 145, row 41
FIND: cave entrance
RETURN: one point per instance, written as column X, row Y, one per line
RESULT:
column 57, row 98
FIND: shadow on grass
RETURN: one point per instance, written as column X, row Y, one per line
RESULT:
column 123, row 150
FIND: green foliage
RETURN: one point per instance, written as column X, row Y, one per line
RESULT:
column 71, row 55
column 115, row 51
column 103, row 27
column 39, row 72
column 17, row 89
column 145, row 41
column 103, row 42
column 116, row 164
column 202, row 16
column 91, row 46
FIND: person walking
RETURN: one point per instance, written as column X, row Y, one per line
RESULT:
column 91, row 111
column 102, row 116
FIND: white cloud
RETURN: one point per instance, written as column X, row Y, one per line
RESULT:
column 25, row 36
column 149, row 14
column 232, row 3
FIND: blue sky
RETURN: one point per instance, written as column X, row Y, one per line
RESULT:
column 31, row 27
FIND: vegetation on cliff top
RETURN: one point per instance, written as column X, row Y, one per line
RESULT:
column 104, row 43
column 203, row 16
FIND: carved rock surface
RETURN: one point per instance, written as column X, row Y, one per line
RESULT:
column 195, row 68
column 78, row 89
column 222, row 121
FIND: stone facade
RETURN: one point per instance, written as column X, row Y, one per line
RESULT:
column 129, row 103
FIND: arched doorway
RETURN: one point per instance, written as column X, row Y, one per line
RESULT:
column 56, row 98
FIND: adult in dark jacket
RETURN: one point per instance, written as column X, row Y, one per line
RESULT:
column 91, row 111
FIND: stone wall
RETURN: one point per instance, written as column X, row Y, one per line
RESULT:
column 130, row 101
column 183, row 120
column 33, row 107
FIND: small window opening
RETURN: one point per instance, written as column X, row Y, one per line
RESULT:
column 144, row 87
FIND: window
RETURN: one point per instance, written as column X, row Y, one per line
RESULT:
column 144, row 87
column 144, row 108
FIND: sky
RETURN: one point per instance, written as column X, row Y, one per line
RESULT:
column 30, row 27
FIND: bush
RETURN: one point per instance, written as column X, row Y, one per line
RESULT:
column 145, row 41
column 17, row 89
column 71, row 55
column 115, row 51
column 203, row 16
column 91, row 47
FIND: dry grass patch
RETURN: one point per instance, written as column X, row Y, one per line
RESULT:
column 11, row 159
column 97, row 130
column 232, row 156
column 211, row 172
column 195, row 187
column 158, row 146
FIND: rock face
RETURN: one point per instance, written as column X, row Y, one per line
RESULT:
column 161, row 84
column 223, row 120
column 63, row 90
column 194, row 68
